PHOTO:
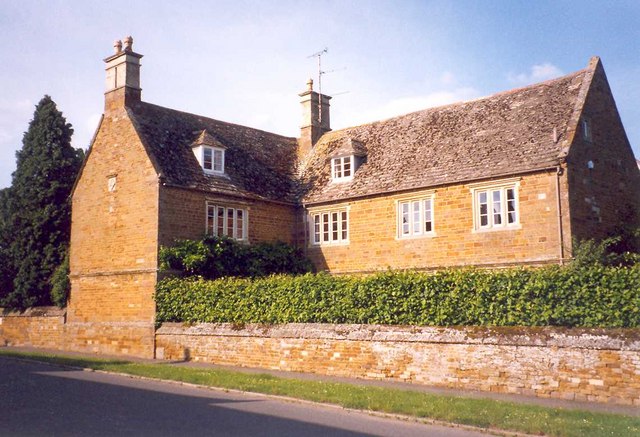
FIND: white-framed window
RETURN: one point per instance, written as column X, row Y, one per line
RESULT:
column 211, row 159
column 586, row 129
column 496, row 206
column 329, row 226
column 342, row 168
column 227, row 221
column 415, row 217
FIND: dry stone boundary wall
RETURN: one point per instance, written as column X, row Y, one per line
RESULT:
column 579, row 364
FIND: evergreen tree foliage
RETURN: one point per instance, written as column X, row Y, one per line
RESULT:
column 6, row 265
column 38, row 216
column 60, row 283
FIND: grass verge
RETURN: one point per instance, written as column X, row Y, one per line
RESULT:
column 483, row 413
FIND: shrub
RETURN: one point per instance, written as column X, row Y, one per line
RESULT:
column 618, row 250
column 216, row 257
column 594, row 296
column 60, row 283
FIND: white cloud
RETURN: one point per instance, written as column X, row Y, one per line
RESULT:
column 538, row 73
column 406, row 105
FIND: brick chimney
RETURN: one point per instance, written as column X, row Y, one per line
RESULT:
column 123, row 76
column 315, row 118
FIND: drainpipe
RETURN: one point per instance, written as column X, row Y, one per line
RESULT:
column 559, row 172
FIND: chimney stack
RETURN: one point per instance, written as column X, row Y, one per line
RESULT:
column 123, row 76
column 315, row 118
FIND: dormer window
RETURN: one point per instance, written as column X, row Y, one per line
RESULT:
column 209, row 152
column 347, row 157
column 342, row 168
column 212, row 159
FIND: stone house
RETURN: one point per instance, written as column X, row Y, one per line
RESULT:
column 509, row 179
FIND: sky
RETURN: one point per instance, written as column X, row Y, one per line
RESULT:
column 245, row 62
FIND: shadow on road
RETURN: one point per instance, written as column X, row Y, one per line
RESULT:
column 36, row 400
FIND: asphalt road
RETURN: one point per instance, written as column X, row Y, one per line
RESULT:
column 37, row 399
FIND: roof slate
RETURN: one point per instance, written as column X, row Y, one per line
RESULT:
column 258, row 164
column 506, row 133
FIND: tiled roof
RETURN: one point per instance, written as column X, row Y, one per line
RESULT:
column 258, row 164
column 509, row 133
column 504, row 134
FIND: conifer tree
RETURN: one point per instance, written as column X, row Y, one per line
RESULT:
column 6, row 265
column 39, row 212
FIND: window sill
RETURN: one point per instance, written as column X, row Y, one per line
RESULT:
column 416, row 237
column 321, row 245
column 497, row 229
column 341, row 180
column 215, row 173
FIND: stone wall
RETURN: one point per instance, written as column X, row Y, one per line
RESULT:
column 374, row 243
column 604, row 181
column 577, row 364
column 47, row 328
column 183, row 216
column 114, row 244
column 41, row 327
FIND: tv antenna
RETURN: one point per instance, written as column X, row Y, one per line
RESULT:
column 320, row 72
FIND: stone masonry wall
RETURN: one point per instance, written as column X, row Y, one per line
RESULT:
column 579, row 364
column 41, row 327
column 604, row 180
column 114, row 244
column 374, row 245
column 608, row 194
column 45, row 327
column 183, row 215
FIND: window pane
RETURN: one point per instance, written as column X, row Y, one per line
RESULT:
column 511, row 205
column 334, row 226
column 337, row 168
column 416, row 217
column 405, row 218
column 497, row 207
column 484, row 209
column 208, row 158
column 345, row 225
column 211, row 219
column 217, row 160
column 325, row 227
column 427, row 215
column 240, row 224
column 220, row 222
column 230, row 222
column 316, row 228
column 346, row 162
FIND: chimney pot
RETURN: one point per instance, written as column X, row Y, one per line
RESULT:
column 310, row 85
column 117, row 46
column 128, row 44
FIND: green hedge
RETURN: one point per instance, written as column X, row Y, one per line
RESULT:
column 596, row 296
